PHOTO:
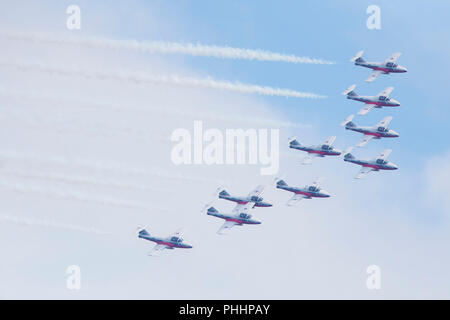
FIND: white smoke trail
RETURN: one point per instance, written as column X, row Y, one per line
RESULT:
column 139, row 77
column 223, row 52
column 49, row 224
column 99, row 165
column 61, row 194
column 80, row 180
column 88, row 127
column 168, row 111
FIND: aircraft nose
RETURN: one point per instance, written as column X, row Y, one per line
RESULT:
column 404, row 69
column 395, row 133
column 338, row 151
column 325, row 193
column 394, row 166
column 395, row 102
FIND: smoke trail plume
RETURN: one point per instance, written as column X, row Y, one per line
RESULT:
column 62, row 194
column 49, row 224
column 176, row 80
column 222, row 52
column 103, row 166
column 168, row 111
column 80, row 180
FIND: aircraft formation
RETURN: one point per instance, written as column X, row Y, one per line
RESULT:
column 240, row 215
column 381, row 100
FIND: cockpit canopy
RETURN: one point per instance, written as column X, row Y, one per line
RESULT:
column 391, row 65
column 326, row 147
column 313, row 189
column 382, row 129
column 176, row 239
column 256, row 199
column 381, row 161
column 383, row 98
column 244, row 216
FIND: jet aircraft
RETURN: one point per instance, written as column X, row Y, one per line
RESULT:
column 380, row 100
column 386, row 67
column 253, row 197
column 171, row 242
column 379, row 163
column 308, row 192
column 377, row 132
column 237, row 217
column 322, row 150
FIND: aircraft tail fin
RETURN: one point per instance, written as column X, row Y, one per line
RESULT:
column 293, row 142
column 143, row 232
column 358, row 57
column 348, row 122
column 223, row 193
column 347, row 154
column 212, row 210
column 218, row 190
column 350, row 91
column 281, row 183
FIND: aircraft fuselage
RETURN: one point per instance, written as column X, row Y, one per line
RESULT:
column 234, row 218
column 167, row 242
column 318, row 150
column 381, row 66
column 244, row 200
column 373, row 164
column 374, row 100
column 304, row 191
column 373, row 131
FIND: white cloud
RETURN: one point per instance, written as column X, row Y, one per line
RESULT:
column 437, row 178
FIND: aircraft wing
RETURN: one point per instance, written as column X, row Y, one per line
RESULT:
column 366, row 109
column 317, row 181
column 384, row 154
column 178, row 233
column 226, row 225
column 364, row 140
column 295, row 199
column 373, row 75
column 384, row 122
column 157, row 249
column 362, row 173
column 330, row 140
column 308, row 158
column 258, row 190
column 386, row 92
column 242, row 208
column 393, row 58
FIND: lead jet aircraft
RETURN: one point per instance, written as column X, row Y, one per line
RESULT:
column 237, row 217
column 253, row 197
column 386, row 67
column 322, row 150
column 380, row 100
column 171, row 242
column 379, row 163
column 307, row 192
column 377, row 132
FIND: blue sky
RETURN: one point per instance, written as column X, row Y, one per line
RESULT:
column 330, row 30
column 399, row 220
